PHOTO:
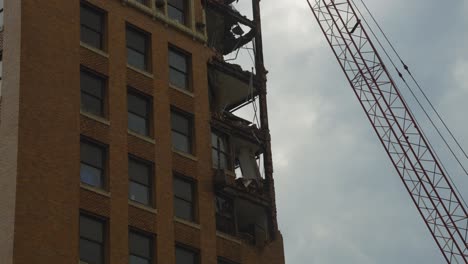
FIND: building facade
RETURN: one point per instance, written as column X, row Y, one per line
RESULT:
column 119, row 139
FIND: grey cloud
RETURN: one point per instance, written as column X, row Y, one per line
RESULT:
column 339, row 198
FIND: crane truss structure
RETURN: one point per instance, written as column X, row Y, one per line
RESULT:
column 416, row 163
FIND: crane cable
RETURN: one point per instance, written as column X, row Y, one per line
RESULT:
column 414, row 79
column 415, row 97
column 427, row 115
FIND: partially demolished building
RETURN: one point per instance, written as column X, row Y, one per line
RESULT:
column 135, row 131
column 245, row 200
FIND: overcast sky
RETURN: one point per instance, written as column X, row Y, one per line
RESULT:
column 339, row 199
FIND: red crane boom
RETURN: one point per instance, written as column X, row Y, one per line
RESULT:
column 425, row 180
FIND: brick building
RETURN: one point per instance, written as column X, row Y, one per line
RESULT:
column 119, row 139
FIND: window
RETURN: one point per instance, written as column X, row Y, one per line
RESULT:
column 225, row 214
column 92, row 26
column 91, row 240
column 178, row 69
column 186, row 256
column 137, row 48
column 92, row 93
column 181, row 132
column 139, row 113
column 177, row 9
column 92, row 164
column 141, row 248
column 220, row 151
column 140, row 187
column 183, row 199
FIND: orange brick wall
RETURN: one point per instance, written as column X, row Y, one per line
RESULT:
column 49, row 125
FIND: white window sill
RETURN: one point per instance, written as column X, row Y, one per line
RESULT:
column 93, row 49
column 143, row 207
column 143, row 72
column 144, row 138
column 95, row 118
column 186, row 92
column 187, row 223
column 95, row 190
column 185, row 155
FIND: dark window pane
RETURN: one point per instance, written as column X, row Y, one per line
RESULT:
column 224, row 207
column 140, row 245
column 139, row 172
column 92, row 154
column 178, row 79
column 223, row 160
column 219, row 159
column 91, row 229
column 137, row 124
column 183, row 189
column 214, row 158
column 91, row 37
column 91, row 252
column 136, row 59
column 222, row 144
column 181, row 143
column 138, row 105
column 180, row 123
column 91, row 175
column 183, row 209
column 176, row 14
column 214, row 140
column 92, row 26
column 91, row 104
column 184, row 256
column 91, row 84
column 91, row 18
column 178, row 61
column 92, row 93
column 180, row 4
column 138, row 260
column 136, row 40
column 139, row 193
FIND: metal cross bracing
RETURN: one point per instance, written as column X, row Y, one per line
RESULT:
column 408, row 149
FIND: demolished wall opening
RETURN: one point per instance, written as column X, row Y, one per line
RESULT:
column 243, row 218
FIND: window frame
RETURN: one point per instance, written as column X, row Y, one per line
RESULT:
column 103, row 100
column 183, row 11
column 103, row 18
column 187, row 248
column 149, row 110
column 188, row 65
column 151, row 180
column 105, row 233
column 191, row 133
column 143, row 234
column 105, row 154
column 146, row 53
column 193, row 202
column 227, row 153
